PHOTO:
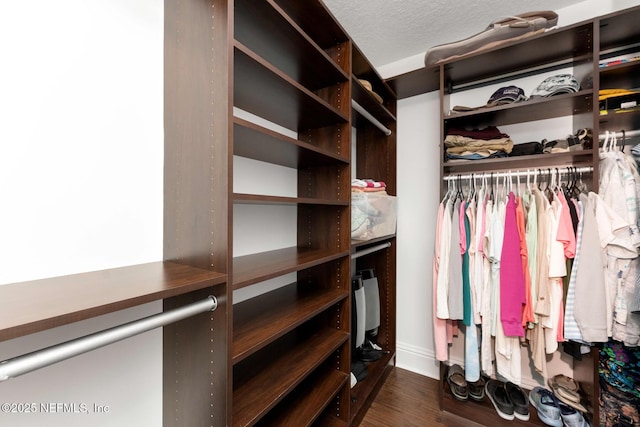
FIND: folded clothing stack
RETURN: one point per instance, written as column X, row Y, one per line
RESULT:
column 368, row 186
column 582, row 140
column 477, row 144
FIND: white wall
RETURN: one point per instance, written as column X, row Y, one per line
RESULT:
column 418, row 189
column 81, row 159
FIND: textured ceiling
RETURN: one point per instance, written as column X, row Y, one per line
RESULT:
column 389, row 30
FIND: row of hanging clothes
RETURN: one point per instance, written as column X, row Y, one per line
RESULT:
column 536, row 258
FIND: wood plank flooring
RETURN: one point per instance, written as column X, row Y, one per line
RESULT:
column 407, row 399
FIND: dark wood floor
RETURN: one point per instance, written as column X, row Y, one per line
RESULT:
column 408, row 399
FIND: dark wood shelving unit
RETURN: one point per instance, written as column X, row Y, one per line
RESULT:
column 250, row 269
column 306, row 404
column 269, row 31
column 581, row 46
column 317, row 22
column 261, row 320
column 277, row 200
column 257, row 394
column 256, row 142
column 375, row 159
column 292, row 67
column 277, row 97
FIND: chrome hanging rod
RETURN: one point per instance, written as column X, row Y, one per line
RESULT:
column 40, row 358
column 619, row 133
column 372, row 249
column 360, row 109
column 518, row 173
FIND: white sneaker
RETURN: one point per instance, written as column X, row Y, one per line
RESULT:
column 571, row 417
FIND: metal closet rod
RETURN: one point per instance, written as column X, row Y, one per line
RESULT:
column 29, row 362
column 360, row 109
column 372, row 249
column 520, row 173
column 626, row 133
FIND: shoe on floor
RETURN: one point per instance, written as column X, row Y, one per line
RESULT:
column 498, row 396
column 519, row 401
column 571, row 417
column 457, row 382
column 567, row 390
column 476, row 389
column 546, row 405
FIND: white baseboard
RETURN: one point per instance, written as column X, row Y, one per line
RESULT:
column 423, row 361
column 419, row 360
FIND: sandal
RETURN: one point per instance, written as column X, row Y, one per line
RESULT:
column 457, row 383
column 567, row 390
column 476, row 389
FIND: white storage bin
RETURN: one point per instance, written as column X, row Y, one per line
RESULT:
column 372, row 215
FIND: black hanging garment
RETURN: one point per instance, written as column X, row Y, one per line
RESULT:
column 358, row 368
column 372, row 315
column 358, row 313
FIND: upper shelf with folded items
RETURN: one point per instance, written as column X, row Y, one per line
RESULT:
column 535, row 53
column 532, row 109
column 552, row 50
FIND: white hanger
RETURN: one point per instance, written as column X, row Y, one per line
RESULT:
column 605, row 144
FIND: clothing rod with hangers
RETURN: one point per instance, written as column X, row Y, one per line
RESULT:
column 372, row 249
column 29, row 362
column 518, row 173
column 627, row 133
column 360, row 109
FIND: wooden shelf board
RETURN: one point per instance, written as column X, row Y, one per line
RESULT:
column 269, row 93
column 526, row 111
column 554, row 48
column 259, row 143
column 363, row 97
column 361, row 68
column 619, row 70
column 250, row 269
column 279, row 200
column 275, row 381
column 575, row 158
column 363, row 393
column 316, row 21
column 618, row 121
column 328, row 420
column 619, row 28
column 416, row 82
column 261, row 320
column 265, row 29
column 306, row 404
column 34, row 306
